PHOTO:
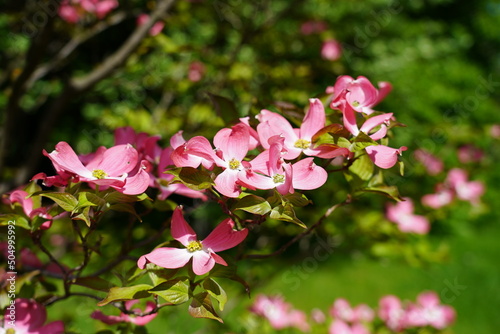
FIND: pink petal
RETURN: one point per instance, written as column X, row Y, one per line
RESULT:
column 202, row 262
column 374, row 121
column 218, row 259
column 349, row 119
column 414, row 224
column 180, row 229
column 250, row 179
column 307, row 175
column 118, row 160
column 314, row 120
column 225, row 183
column 124, row 135
column 138, row 183
column 21, row 197
column 224, row 237
column 177, row 140
column 65, row 158
column 166, row 257
column 254, row 136
column 384, row 156
column 428, row 299
column 55, row 327
column 234, row 142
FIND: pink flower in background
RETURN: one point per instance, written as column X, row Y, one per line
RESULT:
column 392, row 313
column 428, row 311
column 495, row 131
column 432, row 164
column 73, row 10
column 146, row 145
column 279, row 313
column 196, row 71
column 155, row 29
column 21, row 197
column 442, row 197
column 340, row 327
column 402, row 214
column 118, row 167
column 469, row 153
column 123, row 317
column 202, row 252
column 30, row 318
column 331, row 50
column 465, row 190
column 342, row 310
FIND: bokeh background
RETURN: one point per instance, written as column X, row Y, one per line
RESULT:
column 216, row 60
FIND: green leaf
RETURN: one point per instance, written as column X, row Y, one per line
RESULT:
column 176, row 291
column 253, row 204
column 388, row 191
column 86, row 199
column 332, row 134
column 201, row 307
column 84, row 215
column 216, row 291
column 361, row 141
column 95, row 283
column 225, row 108
column 19, row 221
column 297, row 199
column 286, row 213
column 66, row 201
column 117, row 197
column 191, row 177
column 401, row 168
column 360, row 171
column 126, row 293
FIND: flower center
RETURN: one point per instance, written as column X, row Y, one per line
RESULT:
column 99, row 174
column 194, row 246
column 279, row 178
column 302, row 143
column 355, row 103
column 10, row 331
column 234, row 164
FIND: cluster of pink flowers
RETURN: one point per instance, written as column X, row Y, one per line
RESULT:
column 456, row 185
column 73, row 11
column 427, row 311
column 28, row 316
column 392, row 314
column 279, row 313
column 155, row 29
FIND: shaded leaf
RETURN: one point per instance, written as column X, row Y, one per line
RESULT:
column 201, row 307
column 84, row 215
column 360, row 171
column 95, row 283
column 191, row 177
column 297, row 199
column 216, row 291
column 361, row 141
column 125, row 207
column 225, row 108
column 230, row 273
column 388, row 191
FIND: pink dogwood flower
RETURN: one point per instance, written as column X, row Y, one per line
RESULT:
column 469, row 154
column 155, row 29
column 192, row 153
column 428, row 311
column 342, row 310
column 279, row 313
column 196, row 71
column 203, row 253
column 232, row 146
column 29, row 317
column 313, row 27
column 402, row 214
column 384, row 156
column 393, row 314
column 123, row 317
column 297, row 141
column 466, row 190
column 340, row 327
column 442, row 197
column 21, row 197
column 331, row 50
column 109, row 167
column 432, row 164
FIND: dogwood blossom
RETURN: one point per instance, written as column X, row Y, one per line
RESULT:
column 203, row 253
